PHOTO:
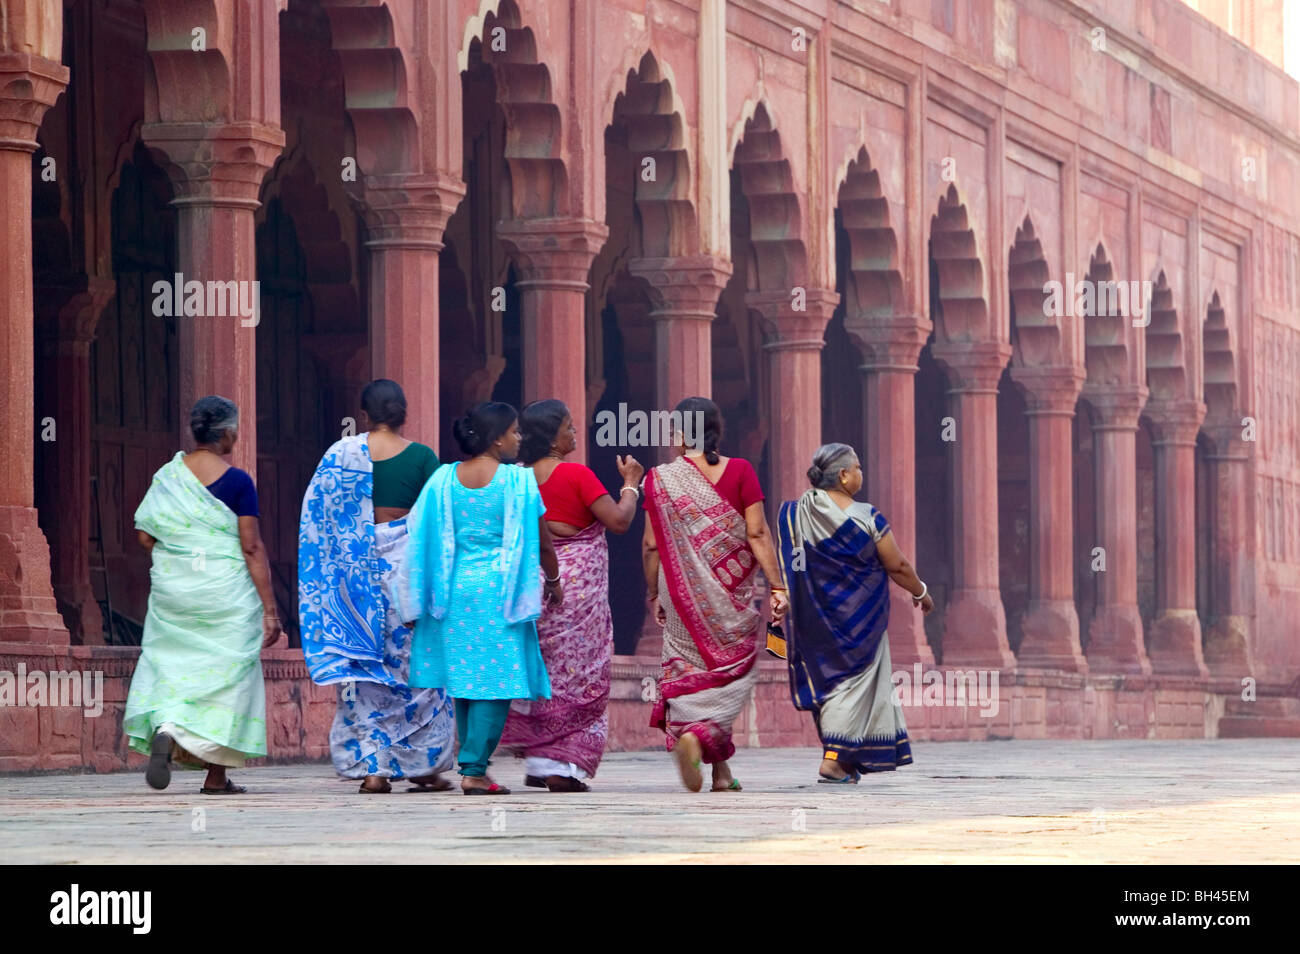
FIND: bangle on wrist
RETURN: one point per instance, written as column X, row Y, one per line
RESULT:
column 925, row 589
column 632, row 487
column 549, row 580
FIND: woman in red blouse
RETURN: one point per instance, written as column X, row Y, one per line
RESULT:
column 706, row 536
column 563, row 738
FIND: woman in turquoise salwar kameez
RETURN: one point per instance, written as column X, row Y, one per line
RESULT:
column 197, row 693
column 479, row 548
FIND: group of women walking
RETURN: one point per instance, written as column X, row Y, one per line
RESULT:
column 471, row 600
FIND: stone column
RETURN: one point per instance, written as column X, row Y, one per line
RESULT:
column 64, row 347
column 217, row 172
column 975, row 625
column 890, row 347
column 685, row 290
column 405, row 217
column 795, row 332
column 1232, row 582
column 1051, row 622
column 1175, row 638
column 1115, row 635
column 29, row 85
column 554, row 259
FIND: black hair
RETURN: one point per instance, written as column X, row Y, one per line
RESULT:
column 481, row 425
column 712, row 417
column 211, row 417
column 540, row 421
column 384, row 403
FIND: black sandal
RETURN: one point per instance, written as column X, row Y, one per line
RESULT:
column 159, row 772
column 534, row 781
column 566, row 783
column 230, row 789
column 376, row 791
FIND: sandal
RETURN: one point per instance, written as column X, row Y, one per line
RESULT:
column 438, row 785
column 230, row 789
column 850, row 779
column 565, row 783
column 376, row 791
column 495, row 789
column 733, row 787
column 534, row 781
column 159, row 772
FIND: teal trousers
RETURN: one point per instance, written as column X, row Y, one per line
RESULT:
column 479, row 724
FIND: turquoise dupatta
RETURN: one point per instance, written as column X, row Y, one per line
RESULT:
column 431, row 556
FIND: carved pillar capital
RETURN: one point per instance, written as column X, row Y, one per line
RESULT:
column 794, row 322
column 215, row 164
column 973, row 366
column 683, row 286
column 1176, row 422
column 1050, row 390
column 29, row 85
column 408, row 210
column 1118, row 408
column 553, row 253
column 891, row 343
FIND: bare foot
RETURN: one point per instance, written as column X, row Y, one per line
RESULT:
column 216, row 777
column 432, row 782
column 688, row 752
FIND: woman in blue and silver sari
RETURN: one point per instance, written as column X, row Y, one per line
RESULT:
column 352, row 544
column 838, row 556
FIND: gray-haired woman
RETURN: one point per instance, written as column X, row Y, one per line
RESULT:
column 197, row 693
column 838, row 556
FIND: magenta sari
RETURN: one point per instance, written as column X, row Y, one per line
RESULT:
column 577, row 640
column 706, row 585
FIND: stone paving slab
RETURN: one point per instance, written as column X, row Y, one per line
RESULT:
column 1211, row 801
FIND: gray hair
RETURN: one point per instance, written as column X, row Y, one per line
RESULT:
column 828, row 463
column 212, row 417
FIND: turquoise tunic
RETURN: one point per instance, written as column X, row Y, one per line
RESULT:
column 472, row 651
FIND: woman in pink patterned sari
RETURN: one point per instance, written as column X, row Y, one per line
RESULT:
column 563, row 738
column 705, row 537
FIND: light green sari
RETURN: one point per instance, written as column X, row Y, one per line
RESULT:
column 200, row 671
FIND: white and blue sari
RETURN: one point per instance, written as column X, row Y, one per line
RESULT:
column 837, row 638
column 352, row 634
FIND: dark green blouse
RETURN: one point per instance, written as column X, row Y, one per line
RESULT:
column 399, row 480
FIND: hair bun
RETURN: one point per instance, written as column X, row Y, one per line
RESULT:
column 815, row 475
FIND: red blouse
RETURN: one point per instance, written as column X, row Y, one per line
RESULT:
column 738, row 485
column 569, row 493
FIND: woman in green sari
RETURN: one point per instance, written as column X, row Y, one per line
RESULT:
column 197, row 694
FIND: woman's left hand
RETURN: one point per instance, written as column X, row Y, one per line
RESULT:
column 554, row 593
column 779, row 602
column 927, row 604
column 271, row 632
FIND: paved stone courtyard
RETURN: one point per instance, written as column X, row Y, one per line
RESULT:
column 1217, row 801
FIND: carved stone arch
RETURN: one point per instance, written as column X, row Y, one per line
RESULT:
column 1220, row 378
column 874, row 286
column 1166, row 359
column 1105, row 337
column 648, row 110
column 1036, row 334
column 780, row 259
column 376, row 86
column 183, row 84
column 534, row 135
column 960, row 313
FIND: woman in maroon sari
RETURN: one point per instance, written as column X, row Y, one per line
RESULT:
column 705, row 537
column 563, row 738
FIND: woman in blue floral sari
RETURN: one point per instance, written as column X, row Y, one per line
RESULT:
column 838, row 556
column 352, row 543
